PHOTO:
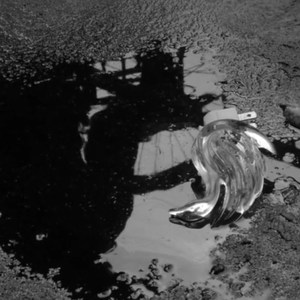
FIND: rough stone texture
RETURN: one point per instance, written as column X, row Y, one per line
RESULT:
column 256, row 44
column 43, row 32
column 18, row 282
column 183, row 293
column 259, row 53
column 266, row 256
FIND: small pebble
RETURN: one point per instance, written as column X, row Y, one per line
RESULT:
column 208, row 294
column 40, row 237
column 217, row 237
column 155, row 271
column 217, row 269
column 292, row 115
column 288, row 157
column 153, row 284
column 123, row 277
column 104, row 294
column 136, row 294
column 168, row 268
column 233, row 225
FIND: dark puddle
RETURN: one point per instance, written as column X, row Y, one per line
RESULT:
column 57, row 211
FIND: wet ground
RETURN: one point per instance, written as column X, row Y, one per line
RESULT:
column 96, row 150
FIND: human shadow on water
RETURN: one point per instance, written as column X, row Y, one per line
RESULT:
column 57, row 211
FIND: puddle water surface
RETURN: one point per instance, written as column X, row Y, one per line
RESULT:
column 148, row 233
column 109, row 170
column 95, row 154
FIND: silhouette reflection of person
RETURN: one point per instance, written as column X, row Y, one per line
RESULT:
column 58, row 211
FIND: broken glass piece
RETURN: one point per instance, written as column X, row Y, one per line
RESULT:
column 227, row 157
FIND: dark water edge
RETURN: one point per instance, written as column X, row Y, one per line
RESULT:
column 57, row 211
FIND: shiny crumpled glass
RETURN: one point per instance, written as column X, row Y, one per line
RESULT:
column 232, row 168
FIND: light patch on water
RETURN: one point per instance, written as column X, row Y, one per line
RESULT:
column 164, row 150
column 136, row 76
column 83, row 129
column 201, row 75
column 278, row 169
column 96, row 109
column 149, row 234
column 101, row 93
column 125, row 67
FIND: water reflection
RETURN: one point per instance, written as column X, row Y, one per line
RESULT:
column 60, row 210
column 57, row 210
